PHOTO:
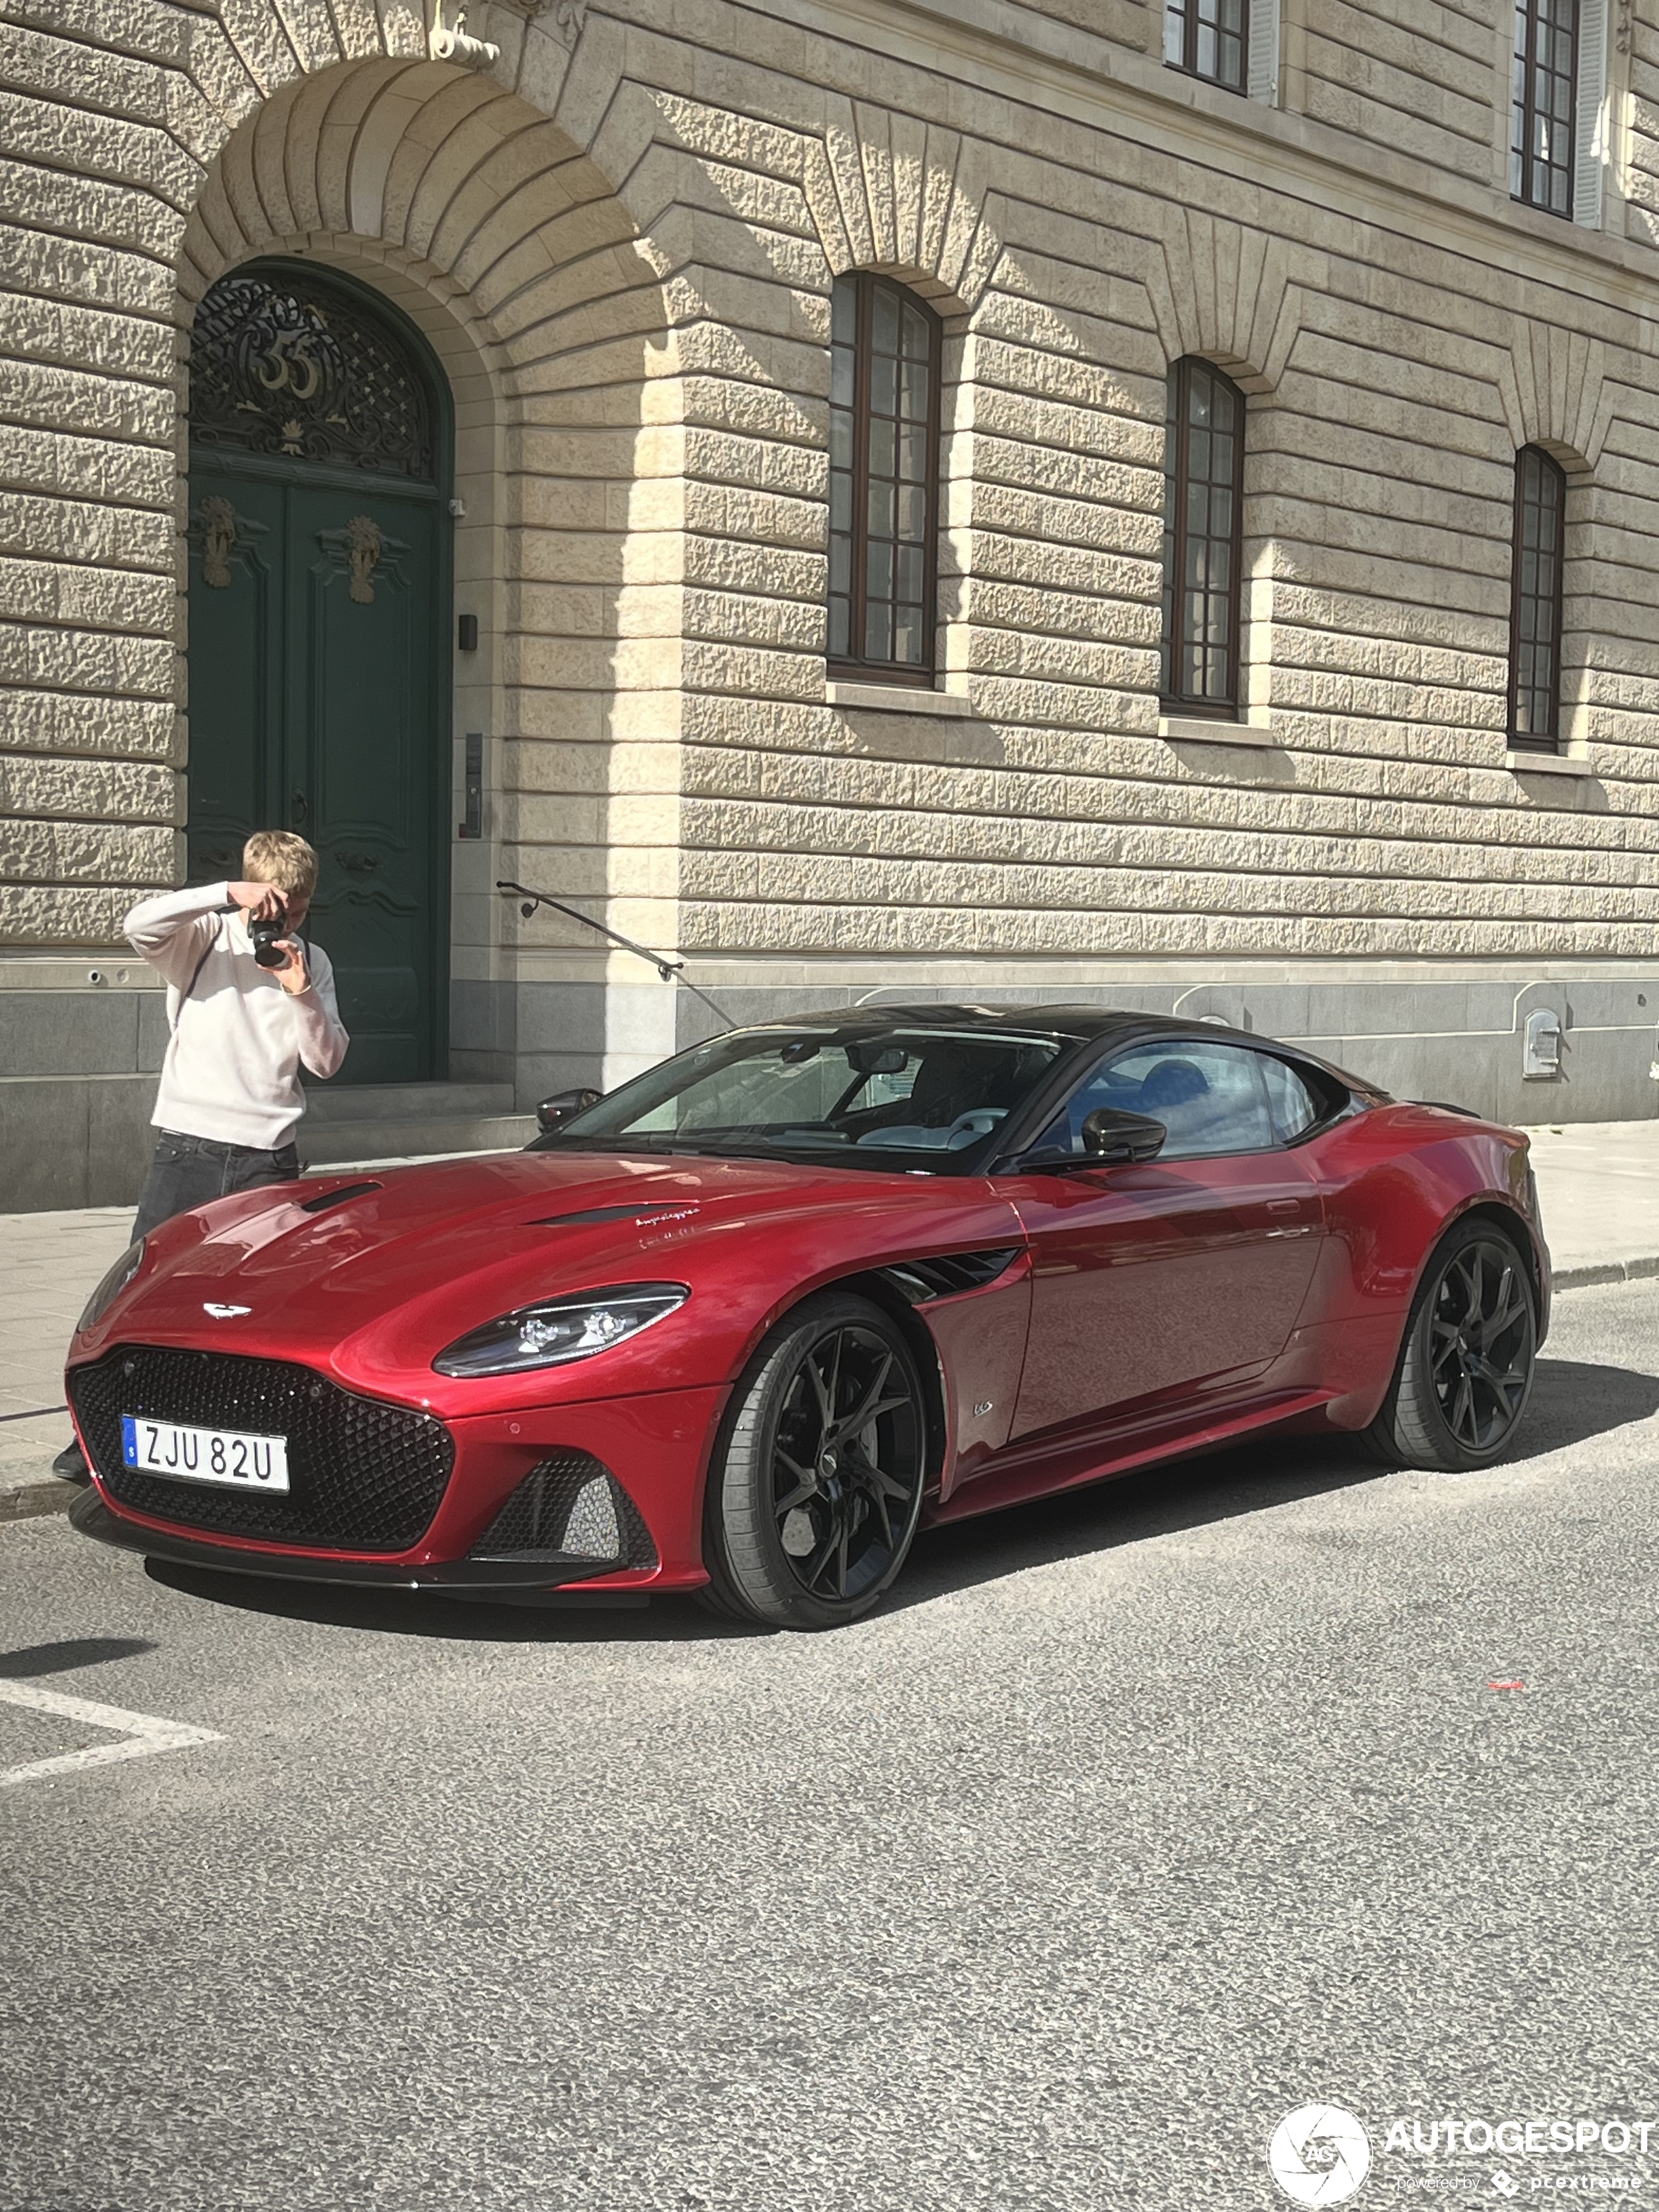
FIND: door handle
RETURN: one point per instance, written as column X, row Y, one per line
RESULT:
column 1284, row 1206
column 297, row 806
column 359, row 864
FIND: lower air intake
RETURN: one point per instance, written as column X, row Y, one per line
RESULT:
column 573, row 1513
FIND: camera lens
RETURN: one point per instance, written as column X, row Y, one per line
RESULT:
column 265, row 934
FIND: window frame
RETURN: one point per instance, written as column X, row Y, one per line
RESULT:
column 919, row 674
column 1191, row 27
column 1532, row 740
column 1524, row 111
column 1177, row 477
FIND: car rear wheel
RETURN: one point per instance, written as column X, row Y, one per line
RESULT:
column 815, row 1489
column 1466, row 1367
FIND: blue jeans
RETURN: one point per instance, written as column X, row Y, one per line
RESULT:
column 188, row 1171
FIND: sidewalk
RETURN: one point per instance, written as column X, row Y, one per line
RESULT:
column 1598, row 1181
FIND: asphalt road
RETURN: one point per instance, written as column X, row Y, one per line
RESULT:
column 1135, row 1821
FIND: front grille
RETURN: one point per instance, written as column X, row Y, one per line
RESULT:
column 571, row 1512
column 364, row 1476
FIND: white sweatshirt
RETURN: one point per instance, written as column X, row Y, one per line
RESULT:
column 232, row 1066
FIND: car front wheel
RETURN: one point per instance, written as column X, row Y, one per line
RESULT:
column 1465, row 1369
column 817, row 1486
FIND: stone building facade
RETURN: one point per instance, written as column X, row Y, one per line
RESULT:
column 605, row 235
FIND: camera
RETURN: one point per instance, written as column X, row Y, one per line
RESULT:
column 265, row 934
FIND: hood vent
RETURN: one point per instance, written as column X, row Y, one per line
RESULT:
column 345, row 1194
column 922, row 1279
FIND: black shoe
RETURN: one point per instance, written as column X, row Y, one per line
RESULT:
column 72, row 1464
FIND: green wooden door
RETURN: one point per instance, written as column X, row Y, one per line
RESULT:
column 317, row 703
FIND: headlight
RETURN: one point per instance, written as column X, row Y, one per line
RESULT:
column 561, row 1329
column 113, row 1286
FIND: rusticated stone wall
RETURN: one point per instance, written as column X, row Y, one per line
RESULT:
column 620, row 234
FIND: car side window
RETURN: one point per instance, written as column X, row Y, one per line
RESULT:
column 1292, row 1104
column 1209, row 1098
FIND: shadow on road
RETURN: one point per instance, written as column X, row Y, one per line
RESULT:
column 62, row 1658
column 1572, row 1401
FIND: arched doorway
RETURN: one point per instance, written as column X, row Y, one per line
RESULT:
column 320, row 589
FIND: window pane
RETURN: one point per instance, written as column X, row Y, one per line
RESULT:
column 1543, row 98
column 1203, row 458
column 1292, row 1105
column 884, row 376
column 1208, row 1096
column 1208, row 39
column 1535, row 605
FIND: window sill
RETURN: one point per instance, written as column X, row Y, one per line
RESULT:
column 1200, row 730
column 896, row 698
column 1525, row 763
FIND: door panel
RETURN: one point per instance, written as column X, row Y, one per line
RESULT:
column 313, row 707
column 362, row 565
column 235, row 700
column 1156, row 1278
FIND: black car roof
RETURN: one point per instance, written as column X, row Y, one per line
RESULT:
column 1077, row 1022
column 1081, row 1024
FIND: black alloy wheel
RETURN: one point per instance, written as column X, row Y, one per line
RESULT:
column 815, row 1499
column 1465, row 1370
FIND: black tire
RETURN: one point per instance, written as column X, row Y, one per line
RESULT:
column 816, row 1482
column 1466, row 1366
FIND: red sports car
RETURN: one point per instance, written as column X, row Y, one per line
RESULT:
column 741, row 1326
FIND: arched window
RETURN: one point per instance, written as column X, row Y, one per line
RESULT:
column 1541, row 500
column 1203, row 510
column 883, row 480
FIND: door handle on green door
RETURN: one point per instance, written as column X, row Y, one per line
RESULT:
column 298, row 808
column 358, row 864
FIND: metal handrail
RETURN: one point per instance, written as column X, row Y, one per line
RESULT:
column 667, row 969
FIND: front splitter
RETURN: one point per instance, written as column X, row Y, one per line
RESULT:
column 93, row 1517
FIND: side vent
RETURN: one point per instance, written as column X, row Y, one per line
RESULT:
column 343, row 1196
column 573, row 1513
column 921, row 1280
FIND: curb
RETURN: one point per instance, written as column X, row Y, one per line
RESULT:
column 46, row 1494
column 1607, row 1271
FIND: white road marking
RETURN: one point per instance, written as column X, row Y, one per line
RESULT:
column 142, row 1733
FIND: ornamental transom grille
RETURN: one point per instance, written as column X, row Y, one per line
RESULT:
column 288, row 365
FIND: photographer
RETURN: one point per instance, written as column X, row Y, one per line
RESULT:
column 241, row 1026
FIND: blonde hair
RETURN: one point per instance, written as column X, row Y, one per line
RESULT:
column 277, row 856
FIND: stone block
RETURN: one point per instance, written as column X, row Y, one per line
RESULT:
column 69, row 1032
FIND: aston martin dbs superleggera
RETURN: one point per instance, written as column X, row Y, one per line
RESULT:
column 743, row 1325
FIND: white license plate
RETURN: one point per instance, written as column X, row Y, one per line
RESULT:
column 224, row 1455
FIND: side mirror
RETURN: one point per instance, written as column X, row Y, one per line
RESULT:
column 1112, row 1138
column 561, row 1106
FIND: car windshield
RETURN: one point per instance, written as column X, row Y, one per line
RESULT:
column 899, row 1098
